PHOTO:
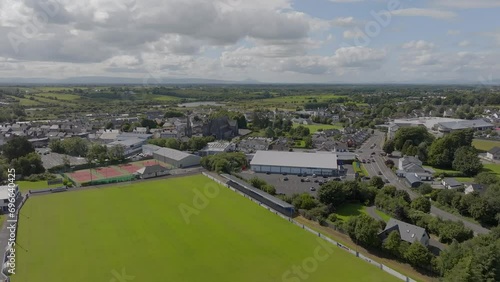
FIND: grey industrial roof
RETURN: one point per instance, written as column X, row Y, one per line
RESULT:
column 127, row 142
column 295, row 159
column 346, row 156
column 261, row 193
column 463, row 124
column 407, row 232
column 173, row 154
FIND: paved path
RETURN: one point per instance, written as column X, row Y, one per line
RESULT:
column 371, row 212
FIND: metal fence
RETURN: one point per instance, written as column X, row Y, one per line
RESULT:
column 328, row 239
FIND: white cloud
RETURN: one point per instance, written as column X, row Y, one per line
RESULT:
column 344, row 22
column 419, row 45
column 353, row 33
column 430, row 13
column 464, row 43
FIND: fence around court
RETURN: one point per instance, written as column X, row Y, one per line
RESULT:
column 328, row 239
column 117, row 179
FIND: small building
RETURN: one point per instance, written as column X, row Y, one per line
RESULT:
column 451, row 183
column 176, row 158
column 471, row 188
column 493, row 153
column 407, row 232
column 152, row 171
column 259, row 195
column 6, row 193
column 478, row 124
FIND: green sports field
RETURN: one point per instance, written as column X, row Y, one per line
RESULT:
column 138, row 231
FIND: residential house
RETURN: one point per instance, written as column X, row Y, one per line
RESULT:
column 407, row 160
column 493, row 153
column 407, row 232
column 471, row 188
column 451, row 183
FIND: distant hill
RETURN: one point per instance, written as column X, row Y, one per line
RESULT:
column 120, row 80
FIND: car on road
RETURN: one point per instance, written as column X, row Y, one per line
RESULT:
column 368, row 161
column 386, row 181
column 379, row 173
column 373, row 153
column 268, row 173
column 312, row 189
column 363, row 161
column 285, row 179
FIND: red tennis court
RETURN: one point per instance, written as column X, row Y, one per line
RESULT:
column 130, row 168
column 83, row 176
column 108, row 172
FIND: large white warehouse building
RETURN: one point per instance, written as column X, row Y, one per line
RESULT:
column 295, row 163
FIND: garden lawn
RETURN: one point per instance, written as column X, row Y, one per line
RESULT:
column 138, row 230
column 348, row 210
column 314, row 127
column 24, row 186
column 485, row 145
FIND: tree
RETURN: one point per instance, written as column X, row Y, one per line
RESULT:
column 442, row 150
column 308, row 142
column 116, row 153
column 421, row 204
column 270, row 132
column 304, row 201
column 377, row 182
column 75, row 146
column 98, row 152
column 467, row 161
column 17, row 147
column 392, row 243
column 148, row 123
column 364, row 230
column 486, row 178
column 418, row 255
column 332, row 193
column 56, row 146
column 172, row 114
column 28, row 164
column 109, row 125
column 415, row 135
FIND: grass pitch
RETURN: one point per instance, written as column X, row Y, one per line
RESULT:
column 138, row 230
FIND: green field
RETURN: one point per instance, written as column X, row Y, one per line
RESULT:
column 24, row 186
column 314, row 127
column 299, row 99
column 361, row 170
column 494, row 168
column 348, row 210
column 485, row 145
column 95, row 234
column 60, row 96
column 345, row 211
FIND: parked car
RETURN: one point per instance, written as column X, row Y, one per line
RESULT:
column 373, row 153
column 314, row 175
column 312, row 189
column 336, row 179
column 285, row 179
column 299, row 175
column 386, row 181
column 316, row 180
column 307, row 180
column 268, row 173
column 379, row 173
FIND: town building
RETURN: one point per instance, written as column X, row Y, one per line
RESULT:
column 176, row 158
column 295, row 163
column 493, row 153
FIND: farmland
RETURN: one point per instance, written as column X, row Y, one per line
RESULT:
column 93, row 235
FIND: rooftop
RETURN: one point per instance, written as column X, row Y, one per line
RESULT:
column 407, row 232
column 4, row 192
column 295, row 159
column 173, row 154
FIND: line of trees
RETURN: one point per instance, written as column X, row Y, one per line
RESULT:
column 225, row 162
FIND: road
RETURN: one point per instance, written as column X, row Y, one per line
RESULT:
column 374, row 168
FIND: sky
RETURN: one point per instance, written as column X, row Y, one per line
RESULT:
column 282, row 41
